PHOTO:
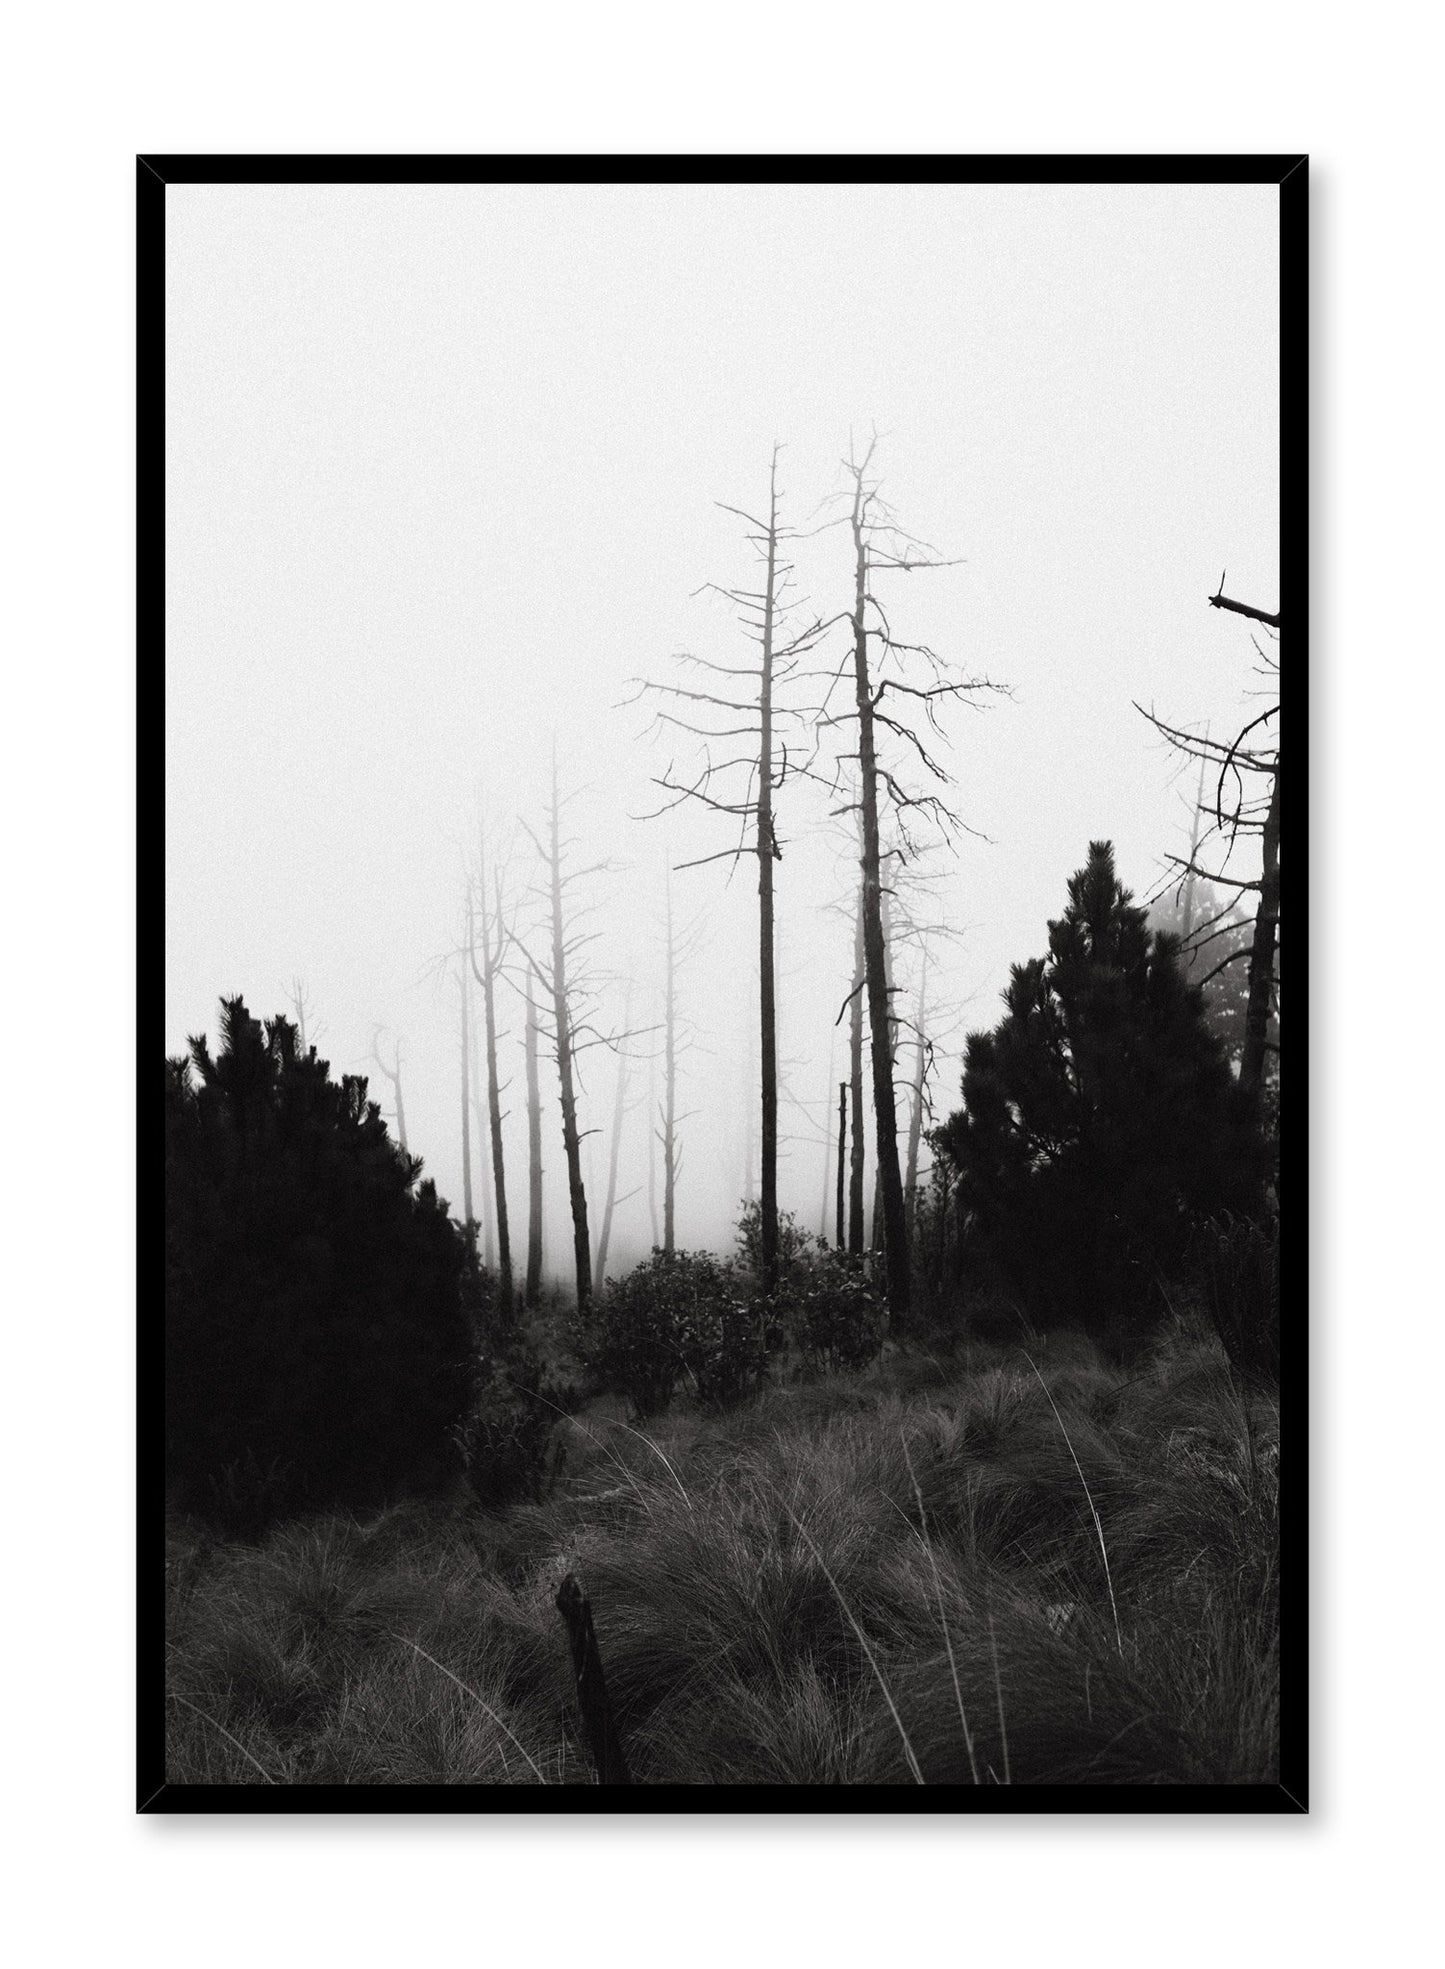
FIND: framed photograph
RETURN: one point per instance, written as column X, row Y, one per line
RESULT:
column 723, row 1242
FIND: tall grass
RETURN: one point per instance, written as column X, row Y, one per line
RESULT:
column 891, row 1578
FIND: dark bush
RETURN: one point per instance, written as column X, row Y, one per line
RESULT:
column 318, row 1350
column 684, row 1317
column 833, row 1313
column 1238, row 1264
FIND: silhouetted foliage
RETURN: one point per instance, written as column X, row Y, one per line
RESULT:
column 1099, row 1117
column 1238, row 1264
column 319, row 1352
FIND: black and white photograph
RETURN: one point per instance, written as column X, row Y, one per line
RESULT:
column 725, row 1234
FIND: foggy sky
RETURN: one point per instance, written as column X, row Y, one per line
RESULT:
column 442, row 473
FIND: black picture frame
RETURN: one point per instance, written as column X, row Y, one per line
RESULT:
column 155, row 172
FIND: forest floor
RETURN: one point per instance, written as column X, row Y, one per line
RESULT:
column 970, row 1568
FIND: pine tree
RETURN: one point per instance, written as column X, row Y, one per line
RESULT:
column 1100, row 1117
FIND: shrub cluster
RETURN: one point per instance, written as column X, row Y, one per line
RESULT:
column 694, row 1319
column 318, row 1349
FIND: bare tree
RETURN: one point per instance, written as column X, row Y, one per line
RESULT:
column 915, row 1118
column 881, row 547
column 842, row 1150
column 495, row 938
column 299, row 1000
column 553, row 978
column 464, row 987
column 764, row 767
column 855, row 1089
column 652, row 1149
column 571, row 996
column 619, row 1109
column 827, row 1143
column 532, row 1292
column 1244, row 801
column 393, row 1074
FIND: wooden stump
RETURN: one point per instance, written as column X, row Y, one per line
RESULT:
column 597, row 1719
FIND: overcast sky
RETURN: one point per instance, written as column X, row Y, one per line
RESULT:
column 443, row 470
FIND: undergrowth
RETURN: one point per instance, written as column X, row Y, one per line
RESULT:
column 970, row 1570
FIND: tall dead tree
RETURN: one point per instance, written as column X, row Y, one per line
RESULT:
column 532, row 1291
column 464, row 987
column 670, row 1161
column 827, row 1145
column 915, row 1117
column 764, row 766
column 842, row 1151
column 619, row 1109
column 495, row 938
column 393, row 1074
column 652, row 1149
column 479, row 1124
column 1244, row 800
column 553, row 979
column 880, row 665
column 855, row 1090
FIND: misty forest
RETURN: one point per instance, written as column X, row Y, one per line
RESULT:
column 722, row 1136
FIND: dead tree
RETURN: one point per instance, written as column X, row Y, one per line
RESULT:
column 827, row 1145
column 619, row 1108
column 671, row 1164
column 764, row 767
column 393, row 1074
column 652, row 1149
column 880, row 547
column 532, row 1291
column 554, row 980
column 1244, row 800
column 479, row 1124
column 464, row 987
column 842, row 1150
column 495, row 938
column 300, row 1002
column 915, row 1118
column 855, row 1088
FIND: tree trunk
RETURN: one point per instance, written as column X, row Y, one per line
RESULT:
column 1188, row 909
column 487, row 978
column 652, row 1143
column 393, row 1074
column 479, row 1120
column 1261, row 957
column 466, row 1114
column 915, row 1119
column 876, row 1237
column 855, row 1058
column 619, row 1100
column 669, row 1089
column 895, row 1242
column 533, row 1290
column 827, row 1146
column 581, row 1244
column 767, row 854
column 842, row 1152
